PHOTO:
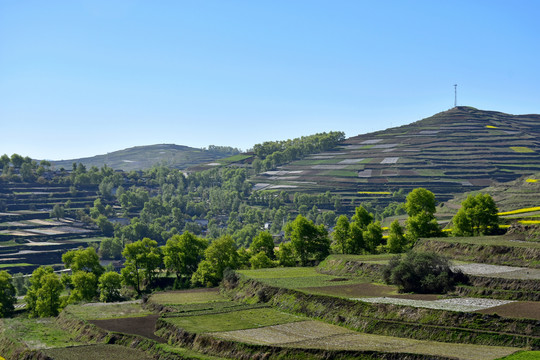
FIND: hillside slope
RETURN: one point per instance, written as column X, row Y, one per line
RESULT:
column 452, row 152
column 144, row 157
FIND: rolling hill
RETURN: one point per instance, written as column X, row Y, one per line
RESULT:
column 452, row 152
column 144, row 157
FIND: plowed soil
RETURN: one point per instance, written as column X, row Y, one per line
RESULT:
column 143, row 326
column 521, row 310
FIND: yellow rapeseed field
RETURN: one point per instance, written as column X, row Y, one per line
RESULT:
column 375, row 192
column 521, row 149
column 519, row 211
column 491, row 127
column 531, row 180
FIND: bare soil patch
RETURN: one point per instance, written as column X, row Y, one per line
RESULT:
column 143, row 326
column 521, row 309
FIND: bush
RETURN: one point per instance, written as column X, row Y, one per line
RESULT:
column 422, row 273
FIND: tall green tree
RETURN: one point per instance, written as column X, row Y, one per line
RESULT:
column 220, row 255
column 308, row 240
column 17, row 160
column 396, row 238
column 420, row 200
column 373, row 236
column 477, row 216
column 263, row 242
column 341, row 234
column 420, row 206
column 83, row 260
column 362, row 217
column 7, row 294
column 356, row 243
column 143, row 259
column 85, row 286
column 182, row 254
column 109, row 286
column 43, row 296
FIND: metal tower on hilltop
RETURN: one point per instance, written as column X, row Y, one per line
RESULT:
column 455, row 95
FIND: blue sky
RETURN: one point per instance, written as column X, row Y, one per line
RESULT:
column 81, row 78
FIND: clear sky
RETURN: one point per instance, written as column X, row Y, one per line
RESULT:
column 86, row 77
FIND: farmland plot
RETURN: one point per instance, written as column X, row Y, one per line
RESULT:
column 97, row 352
column 455, row 304
column 319, row 335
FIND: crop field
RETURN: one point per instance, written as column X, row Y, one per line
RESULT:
column 97, row 352
column 454, row 304
column 523, row 355
column 38, row 333
column 517, row 309
column 96, row 311
column 319, row 335
column 298, row 278
column 237, row 320
column 506, row 272
column 506, row 240
column 139, row 325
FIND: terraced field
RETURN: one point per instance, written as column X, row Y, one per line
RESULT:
column 452, row 152
column 267, row 326
column 28, row 237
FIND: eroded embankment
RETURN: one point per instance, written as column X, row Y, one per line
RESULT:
column 482, row 253
column 392, row 320
column 16, row 350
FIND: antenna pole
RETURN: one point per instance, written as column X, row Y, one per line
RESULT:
column 455, row 95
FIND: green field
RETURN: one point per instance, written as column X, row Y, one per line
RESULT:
column 297, row 278
column 237, row 320
column 187, row 297
column 38, row 333
column 97, row 352
column 523, row 355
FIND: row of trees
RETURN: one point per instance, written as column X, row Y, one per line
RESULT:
column 271, row 154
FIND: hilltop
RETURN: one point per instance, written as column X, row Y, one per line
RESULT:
column 144, row 157
column 452, row 152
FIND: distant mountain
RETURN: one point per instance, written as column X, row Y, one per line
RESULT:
column 144, row 157
column 452, row 152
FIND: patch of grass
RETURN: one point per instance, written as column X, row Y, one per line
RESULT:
column 188, row 354
column 100, row 311
column 187, row 297
column 238, row 320
column 297, row 277
column 523, row 355
column 39, row 333
column 97, row 352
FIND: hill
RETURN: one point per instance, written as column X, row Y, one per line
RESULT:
column 452, row 152
column 144, row 157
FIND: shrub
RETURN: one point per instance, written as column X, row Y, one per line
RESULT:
column 422, row 273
